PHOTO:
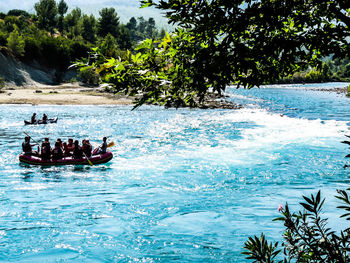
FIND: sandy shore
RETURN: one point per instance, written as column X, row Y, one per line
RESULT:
column 67, row 94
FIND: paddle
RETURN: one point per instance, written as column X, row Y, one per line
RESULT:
column 87, row 158
column 32, row 138
column 111, row 144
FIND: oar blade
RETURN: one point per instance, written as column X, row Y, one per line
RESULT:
column 110, row 144
column 91, row 164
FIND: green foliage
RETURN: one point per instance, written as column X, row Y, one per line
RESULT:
column 18, row 12
column 2, row 83
column 259, row 250
column 108, row 46
column 108, row 22
column 15, row 43
column 62, row 8
column 89, row 76
column 241, row 42
column 307, row 237
column 3, row 38
column 89, row 29
column 124, row 38
column 72, row 24
column 47, row 14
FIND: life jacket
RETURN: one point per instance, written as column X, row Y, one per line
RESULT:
column 77, row 152
column 57, row 153
column 87, row 149
column 45, row 151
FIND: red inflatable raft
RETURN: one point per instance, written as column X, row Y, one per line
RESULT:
column 95, row 159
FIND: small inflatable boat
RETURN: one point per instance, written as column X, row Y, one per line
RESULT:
column 95, row 159
column 54, row 120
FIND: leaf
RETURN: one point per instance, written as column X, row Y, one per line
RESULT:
column 307, row 207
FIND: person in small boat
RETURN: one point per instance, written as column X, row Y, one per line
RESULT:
column 46, row 149
column 70, row 146
column 103, row 147
column 77, row 151
column 27, row 147
column 44, row 118
column 87, row 148
column 60, row 142
column 57, row 152
column 33, row 118
column 65, row 149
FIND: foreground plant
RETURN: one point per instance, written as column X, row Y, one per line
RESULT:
column 307, row 237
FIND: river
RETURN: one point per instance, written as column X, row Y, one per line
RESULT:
column 184, row 185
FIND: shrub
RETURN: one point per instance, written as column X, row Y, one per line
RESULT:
column 16, row 43
column 2, row 83
column 89, row 76
column 3, row 38
column 307, row 237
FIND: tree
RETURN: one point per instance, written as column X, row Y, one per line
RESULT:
column 108, row 46
column 46, row 11
column 62, row 8
column 16, row 43
column 18, row 12
column 89, row 28
column 244, row 43
column 108, row 22
column 71, row 23
column 150, row 28
column 142, row 24
column 124, row 38
column 131, row 25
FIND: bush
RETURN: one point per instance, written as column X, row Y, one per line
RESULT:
column 3, row 38
column 31, row 48
column 2, row 83
column 307, row 237
column 16, row 43
column 89, row 76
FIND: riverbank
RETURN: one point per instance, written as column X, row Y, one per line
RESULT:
column 76, row 94
column 65, row 94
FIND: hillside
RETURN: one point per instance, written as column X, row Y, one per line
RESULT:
column 16, row 73
column 125, row 8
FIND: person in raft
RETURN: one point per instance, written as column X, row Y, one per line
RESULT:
column 103, row 147
column 66, row 151
column 33, row 118
column 57, row 152
column 27, row 147
column 46, row 149
column 70, row 146
column 77, row 151
column 87, row 148
column 44, row 118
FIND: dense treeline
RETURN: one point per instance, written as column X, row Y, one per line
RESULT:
column 55, row 38
column 329, row 70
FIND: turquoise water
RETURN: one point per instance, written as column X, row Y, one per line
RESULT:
column 184, row 185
